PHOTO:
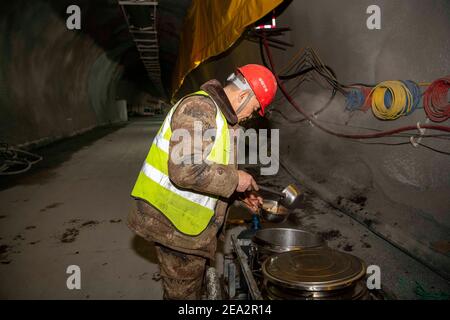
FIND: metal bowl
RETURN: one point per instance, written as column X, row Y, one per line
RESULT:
column 277, row 240
column 272, row 211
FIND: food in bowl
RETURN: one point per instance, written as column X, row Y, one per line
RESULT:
column 274, row 212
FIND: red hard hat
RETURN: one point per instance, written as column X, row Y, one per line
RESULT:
column 263, row 83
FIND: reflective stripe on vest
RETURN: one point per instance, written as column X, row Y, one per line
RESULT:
column 189, row 211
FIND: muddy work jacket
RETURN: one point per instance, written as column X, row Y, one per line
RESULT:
column 182, row 204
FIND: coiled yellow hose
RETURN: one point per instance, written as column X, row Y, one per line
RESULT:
column 401, row 100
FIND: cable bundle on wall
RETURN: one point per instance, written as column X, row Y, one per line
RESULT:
column 338, row 134
column 435, row 100
column 415, row 92
column 358, row 98
column 391, row 100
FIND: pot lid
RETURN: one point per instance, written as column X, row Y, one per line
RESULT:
column 321, row 269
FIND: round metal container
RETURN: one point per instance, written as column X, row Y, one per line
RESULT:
column 356, row 292
column 277, row 240
column 272, row 211
column 323, row 271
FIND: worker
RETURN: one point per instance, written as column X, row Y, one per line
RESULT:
column 181, row 207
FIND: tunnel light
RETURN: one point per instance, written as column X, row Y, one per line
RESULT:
column 268, row 26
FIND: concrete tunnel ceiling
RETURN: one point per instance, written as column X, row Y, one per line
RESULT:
column 170, row 18
column 104, row 23
column 104, row 15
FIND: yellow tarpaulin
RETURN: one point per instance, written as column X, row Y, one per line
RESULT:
column 211, row 27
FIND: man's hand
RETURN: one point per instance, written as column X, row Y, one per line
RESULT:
column 246, row 182
column 252, row 201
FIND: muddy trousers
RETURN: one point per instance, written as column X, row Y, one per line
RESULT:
column 182, row 274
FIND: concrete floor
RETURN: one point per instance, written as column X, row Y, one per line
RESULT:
column 70, row 209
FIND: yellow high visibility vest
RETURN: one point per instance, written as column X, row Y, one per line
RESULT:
column 189, row 211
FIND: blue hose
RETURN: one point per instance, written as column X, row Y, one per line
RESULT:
column 354, row 99
column 415, row 92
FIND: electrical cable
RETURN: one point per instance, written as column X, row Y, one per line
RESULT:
column 358, row 98
column 398, row 135
column 403, row 143
column 304, row 66
column 342, row 135
column 15, row 161
column 294, row 89
column 435, row 100
column 383, row 143
column 308, row 62
column 314, row 113
column 386, row 106
column 391, row 100
column 354, row 99
column 301, row 72
column 434, row 149
column 5, row 169
column 416, row 94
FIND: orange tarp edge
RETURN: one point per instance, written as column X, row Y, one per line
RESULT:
column 211, row 27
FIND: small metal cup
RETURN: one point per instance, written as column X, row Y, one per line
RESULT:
column 291, row 196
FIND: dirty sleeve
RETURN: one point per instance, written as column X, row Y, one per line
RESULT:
column 187, row 168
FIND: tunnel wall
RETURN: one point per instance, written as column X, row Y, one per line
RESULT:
column 54, row 82
column 400, row 192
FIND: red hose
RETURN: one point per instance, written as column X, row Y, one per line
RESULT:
column 342, row 135
column 435, row 100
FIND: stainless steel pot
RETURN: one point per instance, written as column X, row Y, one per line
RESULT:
column 318, row 274
column 276, row 240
